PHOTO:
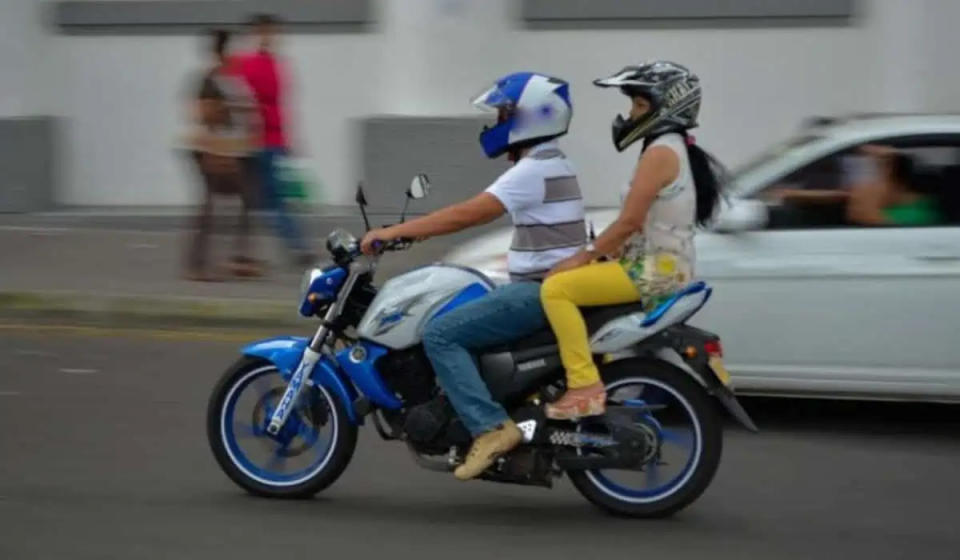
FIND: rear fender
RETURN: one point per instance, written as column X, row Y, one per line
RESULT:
column 285, row 352
column 667, row 346
column 710, row 381
column 663, row 354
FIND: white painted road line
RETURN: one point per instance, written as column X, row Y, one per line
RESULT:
column 78, row 371
column 37, row 353
column 36, row 229
column 10, row 393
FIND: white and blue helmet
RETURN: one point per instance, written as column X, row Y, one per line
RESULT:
column 532, row 108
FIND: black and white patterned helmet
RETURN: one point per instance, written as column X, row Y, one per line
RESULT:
column 674, row 95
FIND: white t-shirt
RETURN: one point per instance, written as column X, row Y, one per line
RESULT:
column 542, row 196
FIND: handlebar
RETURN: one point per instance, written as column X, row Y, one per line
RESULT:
column 398, row 244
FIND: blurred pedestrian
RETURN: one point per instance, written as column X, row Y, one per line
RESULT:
column 221, row 143
column 266, row 76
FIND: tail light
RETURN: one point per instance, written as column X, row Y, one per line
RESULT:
column 714, row 348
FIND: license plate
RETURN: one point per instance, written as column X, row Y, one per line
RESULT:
column 716, row 364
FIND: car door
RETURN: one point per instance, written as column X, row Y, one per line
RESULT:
column 815, row 305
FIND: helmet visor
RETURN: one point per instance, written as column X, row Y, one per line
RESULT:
column 491, row 99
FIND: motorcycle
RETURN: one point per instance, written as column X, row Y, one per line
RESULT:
column 282, row 421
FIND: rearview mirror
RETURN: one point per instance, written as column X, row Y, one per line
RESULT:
column 362, row 203
column 419, row 187
column 741, row 215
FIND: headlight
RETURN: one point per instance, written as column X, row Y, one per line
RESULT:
column 308, row 277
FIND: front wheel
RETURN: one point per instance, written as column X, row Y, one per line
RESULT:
column 309, row 453
column 685, row 445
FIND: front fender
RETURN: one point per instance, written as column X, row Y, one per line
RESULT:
column 285, row 352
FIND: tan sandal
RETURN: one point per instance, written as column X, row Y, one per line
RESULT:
column 579, row 403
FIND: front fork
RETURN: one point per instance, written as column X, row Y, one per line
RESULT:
column 313, row 352
column 294, row 387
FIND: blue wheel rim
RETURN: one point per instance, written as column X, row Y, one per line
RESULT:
column 656, row 489
column 233, row 430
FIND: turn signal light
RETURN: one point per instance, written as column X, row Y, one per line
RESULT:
column 713, row 348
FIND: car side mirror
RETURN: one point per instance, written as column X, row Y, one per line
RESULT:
column 419, row 187
column 741, row 215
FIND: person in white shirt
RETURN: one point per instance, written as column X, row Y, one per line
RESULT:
column 542, row 196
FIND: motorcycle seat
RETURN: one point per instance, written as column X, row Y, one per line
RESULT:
column 597, row 316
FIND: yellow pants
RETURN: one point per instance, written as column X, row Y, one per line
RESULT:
column 603, row 283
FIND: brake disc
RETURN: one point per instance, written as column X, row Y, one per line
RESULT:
column 314, row 414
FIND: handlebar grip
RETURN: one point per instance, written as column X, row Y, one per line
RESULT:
column 380, row 246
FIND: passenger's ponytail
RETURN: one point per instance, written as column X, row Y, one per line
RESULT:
column 709, row 177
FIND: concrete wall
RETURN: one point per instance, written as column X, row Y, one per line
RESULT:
column 121, row 95
column 28, row 140
column 443, row 148
column 21, row 43
column 939, row 57
column 28, row 160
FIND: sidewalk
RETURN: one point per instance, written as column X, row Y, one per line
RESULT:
column 104, row 269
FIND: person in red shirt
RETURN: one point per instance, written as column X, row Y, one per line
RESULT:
column 266, row 76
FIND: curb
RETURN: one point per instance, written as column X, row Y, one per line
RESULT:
column 154, row 311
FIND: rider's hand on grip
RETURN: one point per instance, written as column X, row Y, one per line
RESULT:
column 373, row 242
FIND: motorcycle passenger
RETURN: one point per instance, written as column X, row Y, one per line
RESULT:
column 675, row 186
column 541, row 194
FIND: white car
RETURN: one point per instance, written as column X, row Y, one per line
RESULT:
column 809, row 305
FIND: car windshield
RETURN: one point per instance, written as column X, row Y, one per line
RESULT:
column 774, row 152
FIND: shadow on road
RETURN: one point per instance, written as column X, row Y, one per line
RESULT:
column 931, row 420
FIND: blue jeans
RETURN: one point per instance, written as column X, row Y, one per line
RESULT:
column 507, row 313
column 273, row 200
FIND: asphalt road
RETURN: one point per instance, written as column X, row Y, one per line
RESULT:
column 103, row 455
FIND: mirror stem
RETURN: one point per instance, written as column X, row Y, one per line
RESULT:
column 363, row 212
column 403, row 213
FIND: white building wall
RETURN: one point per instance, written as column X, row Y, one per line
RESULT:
column 122, row 96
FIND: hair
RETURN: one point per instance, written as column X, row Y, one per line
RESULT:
column 709, row 176
column 219, row 39
column 902, row 169
column 257, row 20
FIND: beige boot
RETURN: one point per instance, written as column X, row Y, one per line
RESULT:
column 487, row 448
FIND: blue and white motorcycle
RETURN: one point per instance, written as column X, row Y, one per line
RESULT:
column 282, row 421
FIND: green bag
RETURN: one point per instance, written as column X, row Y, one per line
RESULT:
column 295, row 181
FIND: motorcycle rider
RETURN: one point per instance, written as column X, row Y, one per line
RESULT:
column 542, row 196
column 675, row 186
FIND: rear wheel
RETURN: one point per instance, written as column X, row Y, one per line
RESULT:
column 686, row 442
column 309, row 453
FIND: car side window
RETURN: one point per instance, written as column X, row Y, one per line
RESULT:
column 886, row 183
